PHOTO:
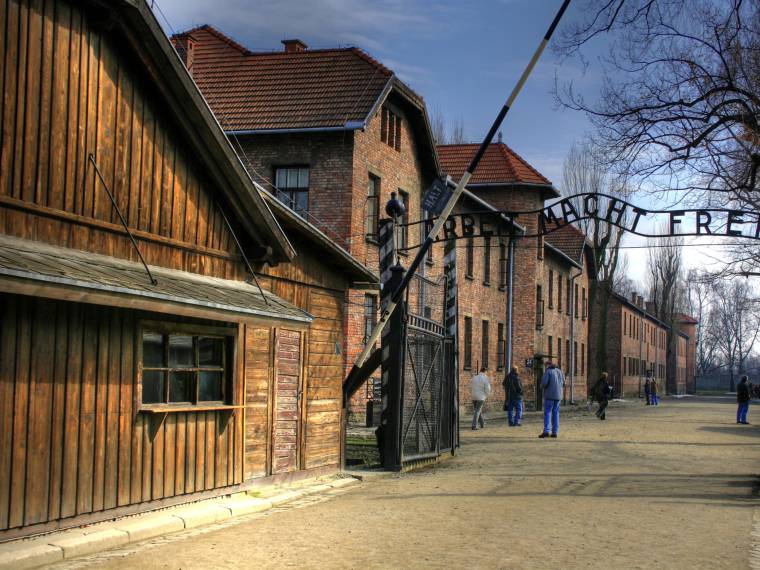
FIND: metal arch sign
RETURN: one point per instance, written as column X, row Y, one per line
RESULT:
column 724, row 222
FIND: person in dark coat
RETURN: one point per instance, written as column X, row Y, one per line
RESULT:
column 653, row 389
column 648, row 391
column 513, row 391
column 602, row 391
column 742, row 397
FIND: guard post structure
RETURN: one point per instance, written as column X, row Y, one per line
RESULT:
column 392, row 348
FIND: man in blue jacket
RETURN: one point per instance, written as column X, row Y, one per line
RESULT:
column 552, row 384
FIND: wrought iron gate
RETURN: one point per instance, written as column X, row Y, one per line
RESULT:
column 427, row 375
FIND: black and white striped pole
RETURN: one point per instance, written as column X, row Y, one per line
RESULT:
column 352, row 381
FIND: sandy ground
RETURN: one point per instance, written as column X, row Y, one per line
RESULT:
column 671, row 487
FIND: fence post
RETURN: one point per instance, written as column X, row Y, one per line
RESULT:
column 451, row 323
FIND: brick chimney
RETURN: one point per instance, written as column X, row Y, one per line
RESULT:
column 185, row 46
column 294, row 45
column 634, row 295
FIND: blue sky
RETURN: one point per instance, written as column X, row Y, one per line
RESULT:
column 462, row 57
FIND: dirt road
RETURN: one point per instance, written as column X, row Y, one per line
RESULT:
column 671, row 487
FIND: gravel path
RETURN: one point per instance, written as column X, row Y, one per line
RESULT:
column 667, row 487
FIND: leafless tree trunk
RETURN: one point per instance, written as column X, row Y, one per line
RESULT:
column 583, row 171
column 443, row 132
column 734, row 324
column 698, row 301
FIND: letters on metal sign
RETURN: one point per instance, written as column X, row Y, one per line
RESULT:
column 616, row 211
column 436, row 197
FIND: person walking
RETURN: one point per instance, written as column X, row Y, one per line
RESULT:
column 742, row 397
column 653, row 389
column 552, row 383
column 480, row 388
column 513, row 391
column 602, row 390
column 648, row 391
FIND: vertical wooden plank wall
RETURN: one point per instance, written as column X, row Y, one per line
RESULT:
column 70, row 441
column 69, row 90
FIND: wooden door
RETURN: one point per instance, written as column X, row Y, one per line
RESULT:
column 287, row 402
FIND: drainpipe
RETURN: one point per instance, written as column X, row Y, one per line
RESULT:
column 573, row 308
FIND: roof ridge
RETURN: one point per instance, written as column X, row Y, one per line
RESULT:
column 505, row 152
column 522, row 160
column 218, row 34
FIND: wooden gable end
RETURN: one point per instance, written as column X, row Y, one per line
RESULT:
column 70, row 91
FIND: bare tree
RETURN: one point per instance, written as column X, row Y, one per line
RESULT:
column 666, row 290
column 438, row 124
column 583, row 171
column 698, row 303
column 734, row 324
column 457, row 132
column 443, row 131
column 680, row 101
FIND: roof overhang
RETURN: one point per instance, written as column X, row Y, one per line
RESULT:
column 558, row 252
column 35, row 268
column 142, row 34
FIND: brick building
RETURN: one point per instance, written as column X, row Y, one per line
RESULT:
column 505, row 181
column 688, row 325
column 636, row 346
column 331, row 133
column 563, row 327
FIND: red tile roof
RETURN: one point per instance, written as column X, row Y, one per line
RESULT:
column 569, row 240
column 499, row 165
column 284, row 90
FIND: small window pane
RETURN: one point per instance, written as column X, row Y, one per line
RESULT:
column 210, row 386
column 301, row 200
column 292, row 178
column 180, row 386
column 153, row 350
column 210, row 351
column 281, row 177
column 180, row 351
column 303, row 178
column 152, row 387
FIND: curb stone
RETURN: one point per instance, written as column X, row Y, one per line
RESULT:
column 24, row 555
column 67, row 544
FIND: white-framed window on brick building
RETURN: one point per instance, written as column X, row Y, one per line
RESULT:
column 583, row 359
column 568, row 356
column 501, row 347
column 503, row 265
column 559, row 292
column 539, row 307
column 373, row 207
column 575, row 358
column 467, row 359
column 584, row 308
column 484, row 342
column 486, row 261
column 559, row 352
column 390, row 129
column 185, row 365
column 469, row 257
column 576, row 309
column 402, row 231
column 292, row 184
column 568, row 294
column 551, row 289
column 370, row 316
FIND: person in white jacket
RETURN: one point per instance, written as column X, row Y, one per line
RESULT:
column 480, row 388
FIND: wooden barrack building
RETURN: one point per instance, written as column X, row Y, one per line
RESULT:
column 120, row 394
